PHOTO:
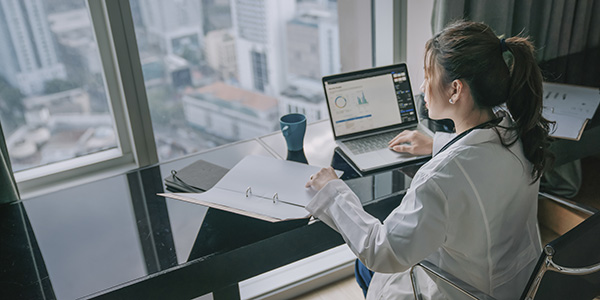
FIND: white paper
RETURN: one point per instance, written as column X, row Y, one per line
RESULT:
column 566, row 126
column 266, row 176
column 570, row 107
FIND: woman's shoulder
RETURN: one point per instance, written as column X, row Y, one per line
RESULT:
column 466, row 158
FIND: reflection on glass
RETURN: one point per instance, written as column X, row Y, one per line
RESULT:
column 88, row 236
column 219, row 71
column 53, row 105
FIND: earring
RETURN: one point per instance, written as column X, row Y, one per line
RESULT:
column 451, row 101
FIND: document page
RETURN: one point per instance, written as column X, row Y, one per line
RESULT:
column 570, row 107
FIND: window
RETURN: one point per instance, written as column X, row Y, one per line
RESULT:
column 260, row 72
column 54, row 106
column 221, row 71
column 78, row 95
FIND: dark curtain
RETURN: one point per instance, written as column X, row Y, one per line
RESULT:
column 8, row 186
column 557, row 27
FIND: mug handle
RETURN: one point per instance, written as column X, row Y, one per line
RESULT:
column 285, row 130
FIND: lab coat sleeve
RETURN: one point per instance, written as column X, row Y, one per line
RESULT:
column 411, row 232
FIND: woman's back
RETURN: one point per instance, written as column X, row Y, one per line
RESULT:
column 492, row 204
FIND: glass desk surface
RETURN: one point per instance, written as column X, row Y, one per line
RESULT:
column 115, row 233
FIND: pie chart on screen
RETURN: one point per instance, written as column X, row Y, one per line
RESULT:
column 340, row 102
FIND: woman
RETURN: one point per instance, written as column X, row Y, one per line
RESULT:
column 472, row 208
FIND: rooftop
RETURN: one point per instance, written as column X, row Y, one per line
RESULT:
column 229, row 93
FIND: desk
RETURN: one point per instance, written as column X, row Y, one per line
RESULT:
column 114, row 238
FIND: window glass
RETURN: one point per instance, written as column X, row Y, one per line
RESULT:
column 219, row 71
column 53, row 104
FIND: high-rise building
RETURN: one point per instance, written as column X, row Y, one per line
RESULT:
column 259, row 26
column 216, row 15
column 220, row 53
column 174, row 26
column 313, row 49
column 312, row 52
column 73, row 30
column 27, row 51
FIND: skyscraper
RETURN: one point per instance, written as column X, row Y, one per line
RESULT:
column 313, row 44
column 260, row 42
column 175, row 26
column 27, row 51
column 312, row 52
column 220, row 53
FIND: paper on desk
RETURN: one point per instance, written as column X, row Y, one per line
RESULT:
column 566, row 127
column 570, row 107
column 265, row 176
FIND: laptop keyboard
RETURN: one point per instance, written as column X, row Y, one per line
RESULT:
column 371, row 143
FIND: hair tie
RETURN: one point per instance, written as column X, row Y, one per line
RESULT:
column 503, row 45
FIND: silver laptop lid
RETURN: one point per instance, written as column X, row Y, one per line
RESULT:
column 371, row 100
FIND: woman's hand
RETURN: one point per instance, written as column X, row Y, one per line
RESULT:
column 319, row 180
column 418, row 143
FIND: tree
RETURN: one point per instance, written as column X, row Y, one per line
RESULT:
column 58, row 85
column 11, row 106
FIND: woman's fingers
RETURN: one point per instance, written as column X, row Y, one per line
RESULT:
column 321, row 178
column 404, row 148
column 413, row 142
column 402, row 137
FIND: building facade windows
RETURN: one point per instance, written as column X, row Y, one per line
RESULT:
column 260, row 71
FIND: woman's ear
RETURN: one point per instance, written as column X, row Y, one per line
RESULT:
column 456, row 90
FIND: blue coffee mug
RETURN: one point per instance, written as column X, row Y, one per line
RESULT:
column 293, row 127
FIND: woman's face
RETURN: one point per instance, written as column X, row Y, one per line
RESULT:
column 435, row 99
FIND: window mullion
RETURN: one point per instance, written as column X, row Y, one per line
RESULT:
column 117, row 26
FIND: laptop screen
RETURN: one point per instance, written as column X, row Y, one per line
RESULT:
column 370, row 99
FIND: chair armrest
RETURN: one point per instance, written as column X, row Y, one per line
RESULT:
column 581, row 208
column 461, row 286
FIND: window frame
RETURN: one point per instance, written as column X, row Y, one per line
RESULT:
column 113, row 27
column 112, row 24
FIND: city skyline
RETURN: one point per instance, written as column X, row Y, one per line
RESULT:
column 181, row 54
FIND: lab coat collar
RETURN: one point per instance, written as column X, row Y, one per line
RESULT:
column 478, row 136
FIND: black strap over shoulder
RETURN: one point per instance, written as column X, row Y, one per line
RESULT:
column 489, row 124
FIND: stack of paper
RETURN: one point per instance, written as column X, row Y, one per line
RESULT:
column 571, row 107
column 195, row 178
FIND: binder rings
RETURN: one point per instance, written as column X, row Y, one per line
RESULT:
column 262, row 187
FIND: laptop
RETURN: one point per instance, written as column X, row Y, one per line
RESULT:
column 367, row 108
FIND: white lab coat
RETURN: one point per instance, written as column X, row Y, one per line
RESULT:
column 471, row 210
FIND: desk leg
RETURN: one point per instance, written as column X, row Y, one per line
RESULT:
column 229, row 292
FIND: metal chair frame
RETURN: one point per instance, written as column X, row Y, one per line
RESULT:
column 548, row 265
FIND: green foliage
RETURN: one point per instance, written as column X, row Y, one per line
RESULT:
column 58, row 85
column 165, row 107
column 11, row 106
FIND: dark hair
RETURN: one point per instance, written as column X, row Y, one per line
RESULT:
column 472, row 52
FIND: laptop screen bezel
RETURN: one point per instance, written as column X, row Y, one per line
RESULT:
column 365, row 74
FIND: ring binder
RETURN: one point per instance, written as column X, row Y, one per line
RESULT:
column 261, row 176
column 275, row 197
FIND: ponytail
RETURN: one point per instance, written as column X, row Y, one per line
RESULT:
column 525, row 104
column 472, row 51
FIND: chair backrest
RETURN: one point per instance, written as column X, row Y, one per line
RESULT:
column 569, row 267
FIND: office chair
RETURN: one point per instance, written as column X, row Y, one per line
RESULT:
column 568, row 268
